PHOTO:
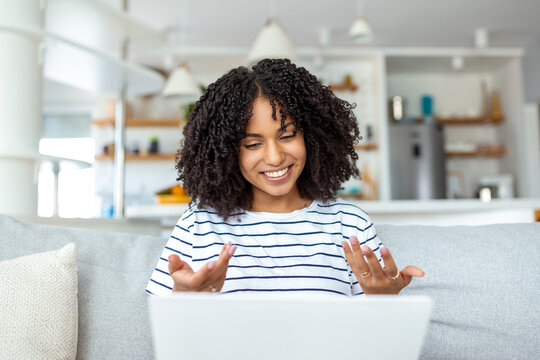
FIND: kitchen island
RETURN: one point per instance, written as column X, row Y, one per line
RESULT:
column 402, row 212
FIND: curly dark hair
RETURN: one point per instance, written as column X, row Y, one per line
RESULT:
column 207, row 161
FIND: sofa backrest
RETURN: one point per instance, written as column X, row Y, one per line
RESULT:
column 113, row 270
column 484, row 281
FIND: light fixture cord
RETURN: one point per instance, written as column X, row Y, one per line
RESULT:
column 359, row 8
column 182, row 38
column 271, row 8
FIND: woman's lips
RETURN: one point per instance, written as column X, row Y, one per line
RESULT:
column 279, row 178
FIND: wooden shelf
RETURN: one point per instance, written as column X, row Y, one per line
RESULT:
column 344, row 87
column 351, row 196
column 476, row 120
column 479, row 120
column 478, row 153
column 132, row 157
column 142, row 122
column 366, row 147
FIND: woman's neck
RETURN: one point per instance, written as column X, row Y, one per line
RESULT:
column 263, row 202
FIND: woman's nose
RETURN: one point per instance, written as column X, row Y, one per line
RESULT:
column 274, row 155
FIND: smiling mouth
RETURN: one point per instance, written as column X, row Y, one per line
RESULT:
column 277, row 174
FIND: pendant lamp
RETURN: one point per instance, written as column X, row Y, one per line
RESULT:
column 272, row 42
column 360, row 30
column 181, row 83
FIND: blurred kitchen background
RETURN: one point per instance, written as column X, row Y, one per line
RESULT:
column 94, row 95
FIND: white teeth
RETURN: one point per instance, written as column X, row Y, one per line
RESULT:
column 276, row 173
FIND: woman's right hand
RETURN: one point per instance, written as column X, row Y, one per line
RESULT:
column 209, row 278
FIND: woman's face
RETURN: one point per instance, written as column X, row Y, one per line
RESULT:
column 271, row 159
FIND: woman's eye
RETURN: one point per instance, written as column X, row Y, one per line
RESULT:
column 289, row 136
column 285, row 137
column 251, row 146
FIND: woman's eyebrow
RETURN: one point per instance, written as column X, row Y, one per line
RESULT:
column 277, row 131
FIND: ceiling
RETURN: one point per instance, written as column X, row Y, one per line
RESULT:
column 235, row 23
column 217, row 34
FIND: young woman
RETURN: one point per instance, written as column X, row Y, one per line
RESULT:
column 266, row 149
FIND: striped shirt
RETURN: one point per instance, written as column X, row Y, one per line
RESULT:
column 299, row 251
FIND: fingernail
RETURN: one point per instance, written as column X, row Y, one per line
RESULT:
column 211, row 265
column 365, row 250
column 343, row 243
column 384, row 251
column 232, row 250
column 354, row 240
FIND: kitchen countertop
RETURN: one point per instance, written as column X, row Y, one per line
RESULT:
column 372, row 207
column 444, row 206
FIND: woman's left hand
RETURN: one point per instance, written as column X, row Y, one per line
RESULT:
column 371, row 276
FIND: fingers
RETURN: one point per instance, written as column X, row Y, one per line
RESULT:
column 214, row 270
column 180, row 272
column 390, row 268
column 378, row 280
column 374, row 264
column 409, row 272
column 201, row 277
column 355, row 256
column 212, row 273
column 175, row 264
column 221, row 265
column 359, row 256
column 412, row 271
column 357, row 264
column 220, row 281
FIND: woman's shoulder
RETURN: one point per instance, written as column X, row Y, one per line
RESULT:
column 342, row 208
column 197, row 213
column 193, row 211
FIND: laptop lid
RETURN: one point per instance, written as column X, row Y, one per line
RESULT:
column 286, row 326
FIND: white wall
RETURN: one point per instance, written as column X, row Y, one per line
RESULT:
column 531, row 144
column 508, row 80
column 531, row 72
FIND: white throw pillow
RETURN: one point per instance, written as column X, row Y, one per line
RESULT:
column 38, row 306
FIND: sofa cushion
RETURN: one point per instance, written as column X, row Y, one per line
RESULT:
column 113, row 270
column 38, row 305
column 485, row 286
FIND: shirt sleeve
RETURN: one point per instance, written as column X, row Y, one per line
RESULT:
column 366, row 237
column 180, row 243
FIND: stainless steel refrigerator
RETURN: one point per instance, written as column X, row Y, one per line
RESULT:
column 417, row 161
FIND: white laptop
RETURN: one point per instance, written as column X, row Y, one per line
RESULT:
column 284, row 326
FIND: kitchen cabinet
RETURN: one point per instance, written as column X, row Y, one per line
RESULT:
column 476, row 145
column 488, row 151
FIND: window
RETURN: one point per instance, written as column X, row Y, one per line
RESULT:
column 66, row 182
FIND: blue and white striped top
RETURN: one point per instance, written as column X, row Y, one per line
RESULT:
column 277, row 252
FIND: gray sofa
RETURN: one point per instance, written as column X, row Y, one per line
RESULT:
column 484, row 281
